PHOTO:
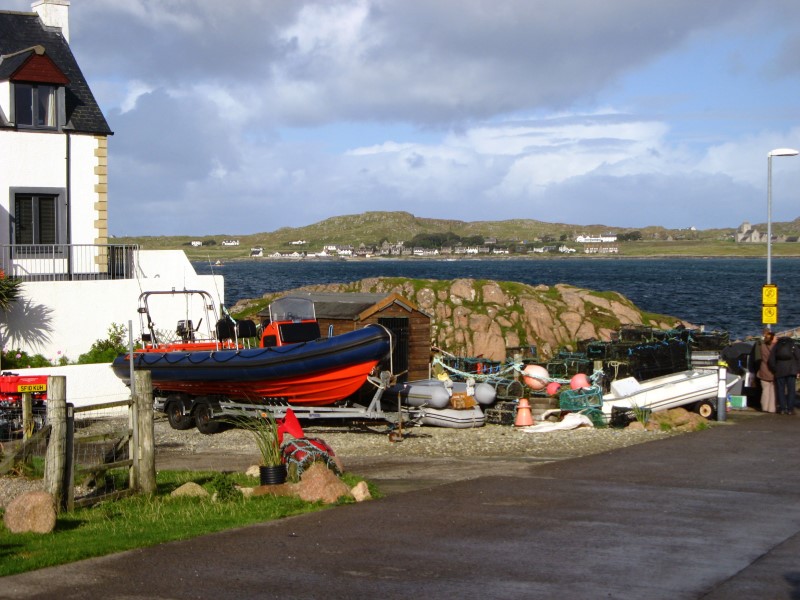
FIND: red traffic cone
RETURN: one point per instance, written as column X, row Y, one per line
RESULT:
column 524, row 416
column 289, row 424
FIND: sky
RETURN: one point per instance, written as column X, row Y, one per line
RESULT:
column 248, row 116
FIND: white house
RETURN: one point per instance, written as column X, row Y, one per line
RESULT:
column 54, row 199
column 595, row 239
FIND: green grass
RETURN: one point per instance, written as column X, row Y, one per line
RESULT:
column 143, row 521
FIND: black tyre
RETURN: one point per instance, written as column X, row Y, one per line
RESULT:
column 204, row 419
column 706, row 409
column 178, row 419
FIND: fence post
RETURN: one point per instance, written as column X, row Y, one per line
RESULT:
column 146, row 450
column 55, row 462
column 27, row 415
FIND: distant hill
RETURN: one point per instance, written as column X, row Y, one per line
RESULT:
column 371, row 228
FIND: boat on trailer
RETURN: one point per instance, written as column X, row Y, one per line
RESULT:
column 288, row 364
column 694, row 389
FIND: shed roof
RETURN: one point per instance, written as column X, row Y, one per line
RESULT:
column 354, row 306
column 21, row 31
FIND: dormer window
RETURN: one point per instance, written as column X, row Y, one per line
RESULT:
column 35, row 105
column 37, row 87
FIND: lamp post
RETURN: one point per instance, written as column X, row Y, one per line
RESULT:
column 776, row 152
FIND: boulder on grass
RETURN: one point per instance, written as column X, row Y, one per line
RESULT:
column 31, row 512
column 319, row 483
column 190, row 488
column 361, row 492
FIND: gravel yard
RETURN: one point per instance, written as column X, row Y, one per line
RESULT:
column 430, row 454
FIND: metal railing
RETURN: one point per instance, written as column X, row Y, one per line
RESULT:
column 68, row 262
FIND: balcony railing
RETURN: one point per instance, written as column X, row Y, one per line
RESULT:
column 68, row 262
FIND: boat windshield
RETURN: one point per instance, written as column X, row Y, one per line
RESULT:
column 292, row 309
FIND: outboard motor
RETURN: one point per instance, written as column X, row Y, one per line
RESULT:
column 185, row 331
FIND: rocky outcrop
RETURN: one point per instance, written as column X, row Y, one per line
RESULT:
column 487, row 318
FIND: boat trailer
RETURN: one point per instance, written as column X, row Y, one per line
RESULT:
column 208, row 413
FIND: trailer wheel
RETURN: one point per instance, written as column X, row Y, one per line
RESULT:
column 176, row 416
column 204, row 419
column 705, row 408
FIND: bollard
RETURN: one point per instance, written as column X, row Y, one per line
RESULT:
column 524, row 416
column 722, row 391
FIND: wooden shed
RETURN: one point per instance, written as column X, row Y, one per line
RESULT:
column 410, row 327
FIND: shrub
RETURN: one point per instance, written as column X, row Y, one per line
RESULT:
column 19, row 359
column 225, row 488
column 103, row 351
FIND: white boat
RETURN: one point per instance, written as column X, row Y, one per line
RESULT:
column 695, row 389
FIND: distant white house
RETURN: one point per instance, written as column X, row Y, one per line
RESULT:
column 257, row 252
column 600, row 248
column 594, row 239
column 197, row 243
column 298, row 243
column 230, row 242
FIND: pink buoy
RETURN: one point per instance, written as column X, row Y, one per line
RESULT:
column 579, row 380
column 535, row 377
column 552, row 388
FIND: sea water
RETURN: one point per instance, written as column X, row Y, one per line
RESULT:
column 719, row 293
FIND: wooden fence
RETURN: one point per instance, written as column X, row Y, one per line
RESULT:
column 87, row 449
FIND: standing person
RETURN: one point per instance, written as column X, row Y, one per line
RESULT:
column 764, row 373
column 785, row 361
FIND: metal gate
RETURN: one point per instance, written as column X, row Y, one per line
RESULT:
column 399, row 326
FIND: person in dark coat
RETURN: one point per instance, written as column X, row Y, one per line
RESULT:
column 784, row 360
column 765, row 375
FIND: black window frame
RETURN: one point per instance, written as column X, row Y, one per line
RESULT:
column 58, row 103
column 59, row 231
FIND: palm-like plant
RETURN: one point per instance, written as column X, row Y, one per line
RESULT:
column 10, row 292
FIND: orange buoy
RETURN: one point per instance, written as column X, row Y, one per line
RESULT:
column 524, row 416
column 535, row 377
column 579, row 380
column 552, row 388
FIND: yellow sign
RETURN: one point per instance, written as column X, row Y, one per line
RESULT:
column 36, row 387
column 769, row 295
column 769, row 315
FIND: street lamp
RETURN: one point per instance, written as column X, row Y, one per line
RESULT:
column 776, row 152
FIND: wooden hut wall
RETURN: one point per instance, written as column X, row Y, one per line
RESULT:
column 419, row 335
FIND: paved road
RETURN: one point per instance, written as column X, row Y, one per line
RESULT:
column 709, row 515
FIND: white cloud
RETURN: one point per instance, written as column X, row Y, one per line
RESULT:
column 511, row 108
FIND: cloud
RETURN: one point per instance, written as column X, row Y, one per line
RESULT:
column 254, row 115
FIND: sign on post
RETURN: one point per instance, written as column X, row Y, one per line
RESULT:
column 769, row 304
column 769, row 295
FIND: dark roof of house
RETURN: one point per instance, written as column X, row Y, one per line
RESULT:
column 20, row 31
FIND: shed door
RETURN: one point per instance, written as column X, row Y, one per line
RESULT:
column 399, row 327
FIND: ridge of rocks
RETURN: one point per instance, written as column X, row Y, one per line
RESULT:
column 474, row 317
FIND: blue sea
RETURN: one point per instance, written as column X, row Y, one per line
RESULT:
column 720, row 293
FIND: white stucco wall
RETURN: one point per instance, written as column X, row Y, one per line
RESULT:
column 39, row 160
column 87, row 385
column 82, row 193
column 64, row 318
column 5, row 98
